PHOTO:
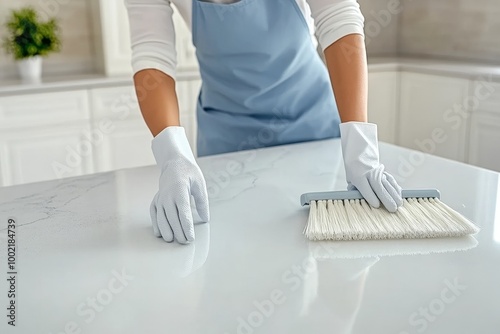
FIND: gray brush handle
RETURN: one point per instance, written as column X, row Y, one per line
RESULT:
column 306, row 198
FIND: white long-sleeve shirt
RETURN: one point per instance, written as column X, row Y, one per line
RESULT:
column 153, row 36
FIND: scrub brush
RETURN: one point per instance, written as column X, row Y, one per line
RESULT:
column 345, row 215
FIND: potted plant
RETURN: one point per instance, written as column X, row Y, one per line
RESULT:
column 28, row 39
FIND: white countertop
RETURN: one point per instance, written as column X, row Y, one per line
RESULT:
column 250, row 270
column 60, row 83
column 464, row 69
column 468, row 70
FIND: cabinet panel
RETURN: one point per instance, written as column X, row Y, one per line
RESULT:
column 119, row 103
column 434, row 115
column 44, row 108
column 383, row 99
column 4, row 164
column 127, row 145
column 484, row 141
column 46, row 154
column 488, row 95
column 188, row 91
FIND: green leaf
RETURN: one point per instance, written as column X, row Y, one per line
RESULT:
column 28, row 36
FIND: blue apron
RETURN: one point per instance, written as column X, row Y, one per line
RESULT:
column 263, row 83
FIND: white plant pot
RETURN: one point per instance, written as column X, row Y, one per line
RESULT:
column 30, row 69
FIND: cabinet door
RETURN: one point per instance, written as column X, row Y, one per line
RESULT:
column 188, row 91
column 125, row 144
column 4, row 167
column 114, row 103
column 382, row 103
column 434, row 115
column 484, row 141
column 125, row 141
column 484, row 144
column 43, row 108
column 32, row 155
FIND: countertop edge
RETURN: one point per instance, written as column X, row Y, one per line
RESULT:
column 90, row 81
column 468, row 70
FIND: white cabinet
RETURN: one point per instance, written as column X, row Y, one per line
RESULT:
column 125, row 140
column 42, row 136
column 434, row 114
column 188, row 91
column 383, row 101
column 484, row 141
column 117, row 103
column 3, row 167
column 41, row 109
column 484, row 144
column 126, row 145
column 122, row 138
column 45, row 153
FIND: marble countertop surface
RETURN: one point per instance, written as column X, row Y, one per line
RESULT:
column 87, row 260
column 470, row 70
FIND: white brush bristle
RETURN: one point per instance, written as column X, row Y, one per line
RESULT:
column 357, row 220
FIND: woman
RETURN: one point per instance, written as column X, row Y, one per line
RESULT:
column 260, row 71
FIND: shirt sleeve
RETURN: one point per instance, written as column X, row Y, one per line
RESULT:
column 152, row 35
column 335, row 19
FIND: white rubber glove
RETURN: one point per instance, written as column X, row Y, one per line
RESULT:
column 363, row 170
column 180, row 178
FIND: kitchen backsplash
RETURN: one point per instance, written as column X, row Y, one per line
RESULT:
column 77, row 51
column 443, row 28
column 461, row 29
column 381, row 30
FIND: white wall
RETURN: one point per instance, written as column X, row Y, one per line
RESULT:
column 381, row 33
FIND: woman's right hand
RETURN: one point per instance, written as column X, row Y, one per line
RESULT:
column 180, row 179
